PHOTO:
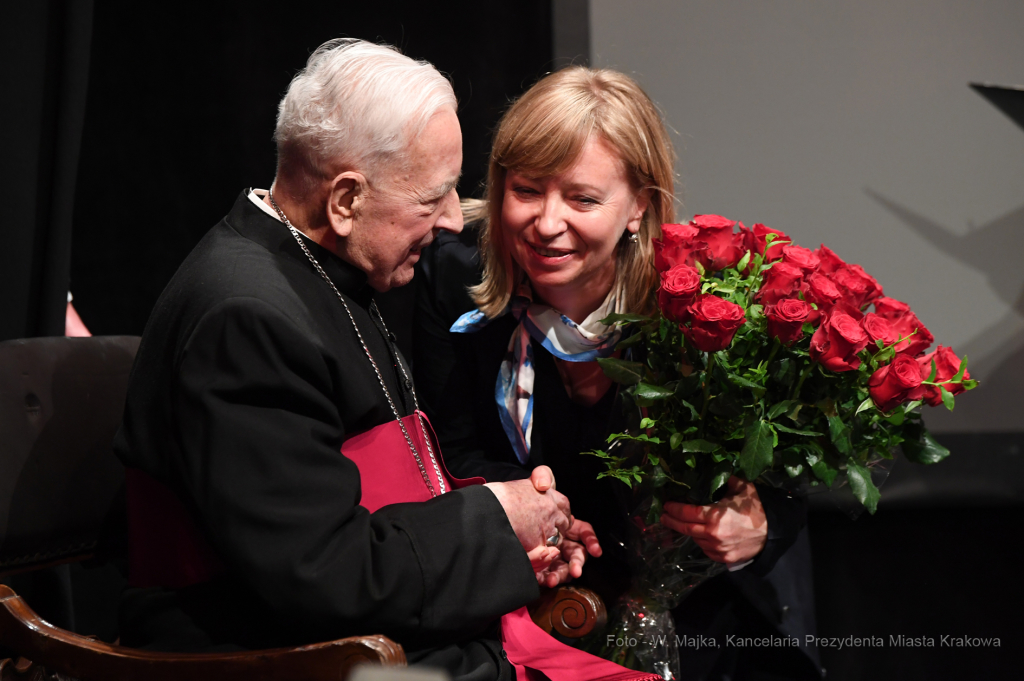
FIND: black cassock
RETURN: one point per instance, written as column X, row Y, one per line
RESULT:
column 248, row 379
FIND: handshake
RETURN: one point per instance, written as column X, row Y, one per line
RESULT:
column 556, row 543
column 733, row 530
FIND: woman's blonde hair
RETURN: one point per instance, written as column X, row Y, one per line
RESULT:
column 542, row 134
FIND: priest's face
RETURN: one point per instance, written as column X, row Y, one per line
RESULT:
column 408, row 204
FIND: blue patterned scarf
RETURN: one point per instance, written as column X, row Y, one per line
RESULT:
column 562, row 337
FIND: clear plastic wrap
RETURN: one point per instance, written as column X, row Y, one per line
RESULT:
column 666, row 567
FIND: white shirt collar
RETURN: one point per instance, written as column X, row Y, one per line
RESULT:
column 256, row 196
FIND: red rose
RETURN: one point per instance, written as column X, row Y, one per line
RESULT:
column 781, row 281
column 820, row 290
column 829, row 261
column 946, row 364
column 858, row 287
column 837, row 341
column 674, row 247
column 801, row 257
column 895, row 383
column 786, row 319
column 713, row 322
column 878, row 328
column 761, row 233
column 679, row 286
column 716, row 232
column 904, row 322
column 890, row 308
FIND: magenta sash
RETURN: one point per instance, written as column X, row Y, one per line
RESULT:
column 165, row 546
column 389, row 475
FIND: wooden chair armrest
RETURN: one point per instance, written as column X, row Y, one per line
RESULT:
column 85, row 659
column 571, row 611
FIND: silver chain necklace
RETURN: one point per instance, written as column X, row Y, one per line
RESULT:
column 376, row 369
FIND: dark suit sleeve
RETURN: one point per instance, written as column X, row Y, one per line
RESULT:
column 261, row 462
column 454, row 395
column 786, row 516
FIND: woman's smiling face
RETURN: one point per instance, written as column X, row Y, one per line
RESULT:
column 563, row 230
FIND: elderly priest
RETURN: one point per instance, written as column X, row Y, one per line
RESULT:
column 270, row 417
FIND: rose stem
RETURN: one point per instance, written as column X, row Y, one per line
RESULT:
column 707, row 389
column 800, row 383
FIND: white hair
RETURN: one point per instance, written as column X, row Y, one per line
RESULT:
column 356, row 105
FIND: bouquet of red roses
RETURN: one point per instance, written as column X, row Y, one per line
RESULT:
column 768, row 357
column 771, row 362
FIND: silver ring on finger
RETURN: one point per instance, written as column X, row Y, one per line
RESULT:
column 554, row 539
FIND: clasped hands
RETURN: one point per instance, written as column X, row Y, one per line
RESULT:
column 537, row 511
column 732, row 530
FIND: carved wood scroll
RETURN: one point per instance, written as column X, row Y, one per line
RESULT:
column 58, row 652
column 570, row 611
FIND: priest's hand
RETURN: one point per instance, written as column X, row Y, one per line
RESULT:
column 579, row 541
column 733, row 530
column 536, row 517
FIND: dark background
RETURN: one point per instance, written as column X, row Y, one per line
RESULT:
column 181, row 112
column 134, row 130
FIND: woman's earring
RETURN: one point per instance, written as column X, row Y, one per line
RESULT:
column 634, row 238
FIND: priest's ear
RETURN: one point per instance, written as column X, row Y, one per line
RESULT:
column 347, row 194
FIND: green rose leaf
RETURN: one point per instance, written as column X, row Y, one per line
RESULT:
column 643, row 437
column 621, row 371
column 959, row 377
column 785, row 429
column 781, row 408
column 947, row 398
column 863, row 488
column 925, row 450
column 629, row 341
column 625, row 475
column 624, row 317
column 755, row 388
column 693, row 410
column 866, row 404
column 792, row 461
column 823, row 471
column 757, row 450
column 898, row 416
column 721, row 472
column 702, row 446
column 651, row 392
column 840, row 433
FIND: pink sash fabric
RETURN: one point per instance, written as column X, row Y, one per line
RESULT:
column 165, row 546
column 387, row 472
column 389, row 475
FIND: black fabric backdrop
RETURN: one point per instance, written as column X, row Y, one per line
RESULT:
column 182, row 106
column 44, row 52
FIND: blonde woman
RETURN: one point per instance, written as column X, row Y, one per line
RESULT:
column 579, row 182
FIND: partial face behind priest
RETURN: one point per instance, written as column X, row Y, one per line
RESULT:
column 369, row 153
